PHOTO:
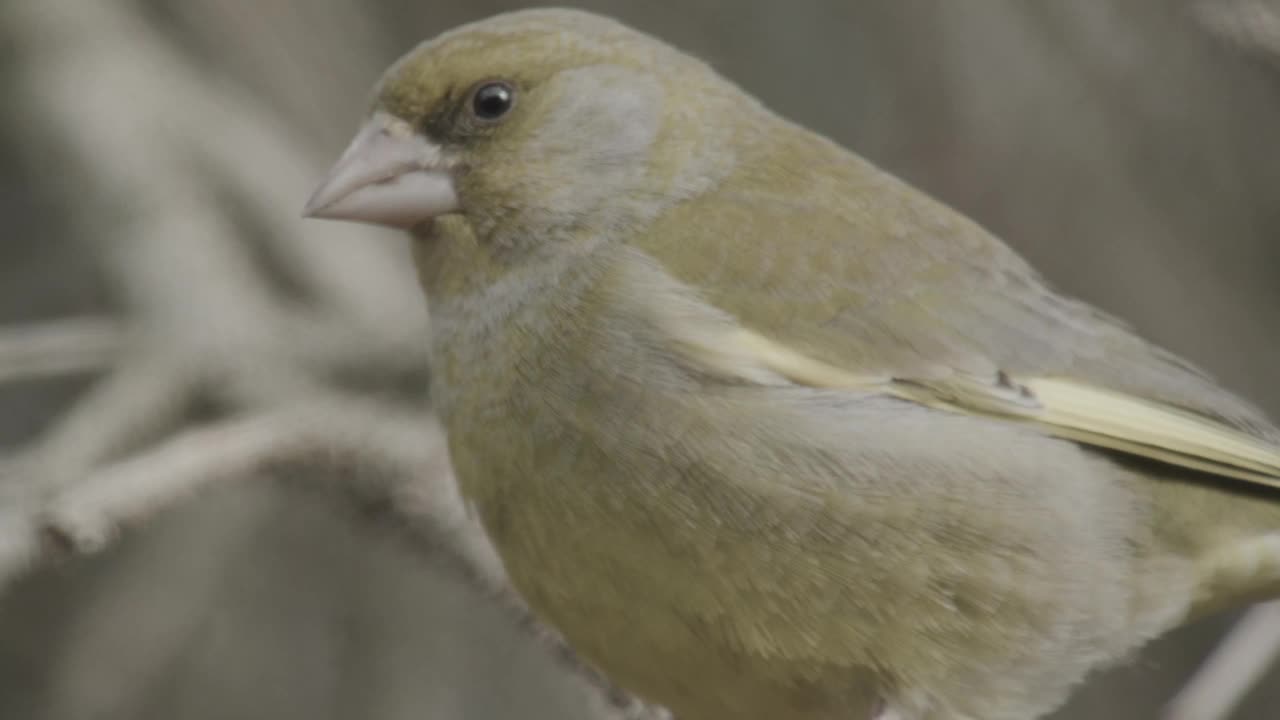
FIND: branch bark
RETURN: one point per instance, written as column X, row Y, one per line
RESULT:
column 64, row 346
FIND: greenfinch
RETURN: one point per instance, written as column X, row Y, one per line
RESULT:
column 764, row 431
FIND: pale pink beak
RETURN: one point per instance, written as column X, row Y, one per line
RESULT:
column 389, row 175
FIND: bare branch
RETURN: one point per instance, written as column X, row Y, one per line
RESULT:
column 60, row 347
column 1239, row 661
column 145, row 394
column 88, row 514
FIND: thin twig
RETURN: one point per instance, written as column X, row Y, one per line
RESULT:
column 143, row 396
column 60, row 347
column 1236, row 665
column 87, row 515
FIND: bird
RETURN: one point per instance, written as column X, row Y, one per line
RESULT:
column 766, row 432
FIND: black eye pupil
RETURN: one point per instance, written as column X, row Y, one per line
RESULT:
column 492, row 101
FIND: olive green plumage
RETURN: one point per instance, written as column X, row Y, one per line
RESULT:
column 767, row 433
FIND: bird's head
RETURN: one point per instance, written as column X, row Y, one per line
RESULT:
column 535, row 123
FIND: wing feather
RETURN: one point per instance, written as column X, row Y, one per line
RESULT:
column 1064, row 408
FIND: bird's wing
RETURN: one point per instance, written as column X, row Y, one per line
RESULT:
column 1069, row 409
column 853, row 279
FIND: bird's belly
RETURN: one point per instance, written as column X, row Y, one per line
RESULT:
column 631, row 619
column 655, row 600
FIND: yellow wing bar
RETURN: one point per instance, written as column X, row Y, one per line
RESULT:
column 1123, row 422
column 1064, row 408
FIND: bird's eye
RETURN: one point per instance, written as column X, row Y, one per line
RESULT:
column 492, row 100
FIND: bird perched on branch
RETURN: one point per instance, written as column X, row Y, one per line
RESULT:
column 767, row 433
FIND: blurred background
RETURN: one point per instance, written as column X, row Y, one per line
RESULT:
column 153, row 160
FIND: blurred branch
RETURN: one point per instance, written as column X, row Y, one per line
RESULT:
column 338, row 36
column 1238, row 663
column 70, row 345
column 1252, row 26
column 91, row 56
column 141, row 397
column 84, row 516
